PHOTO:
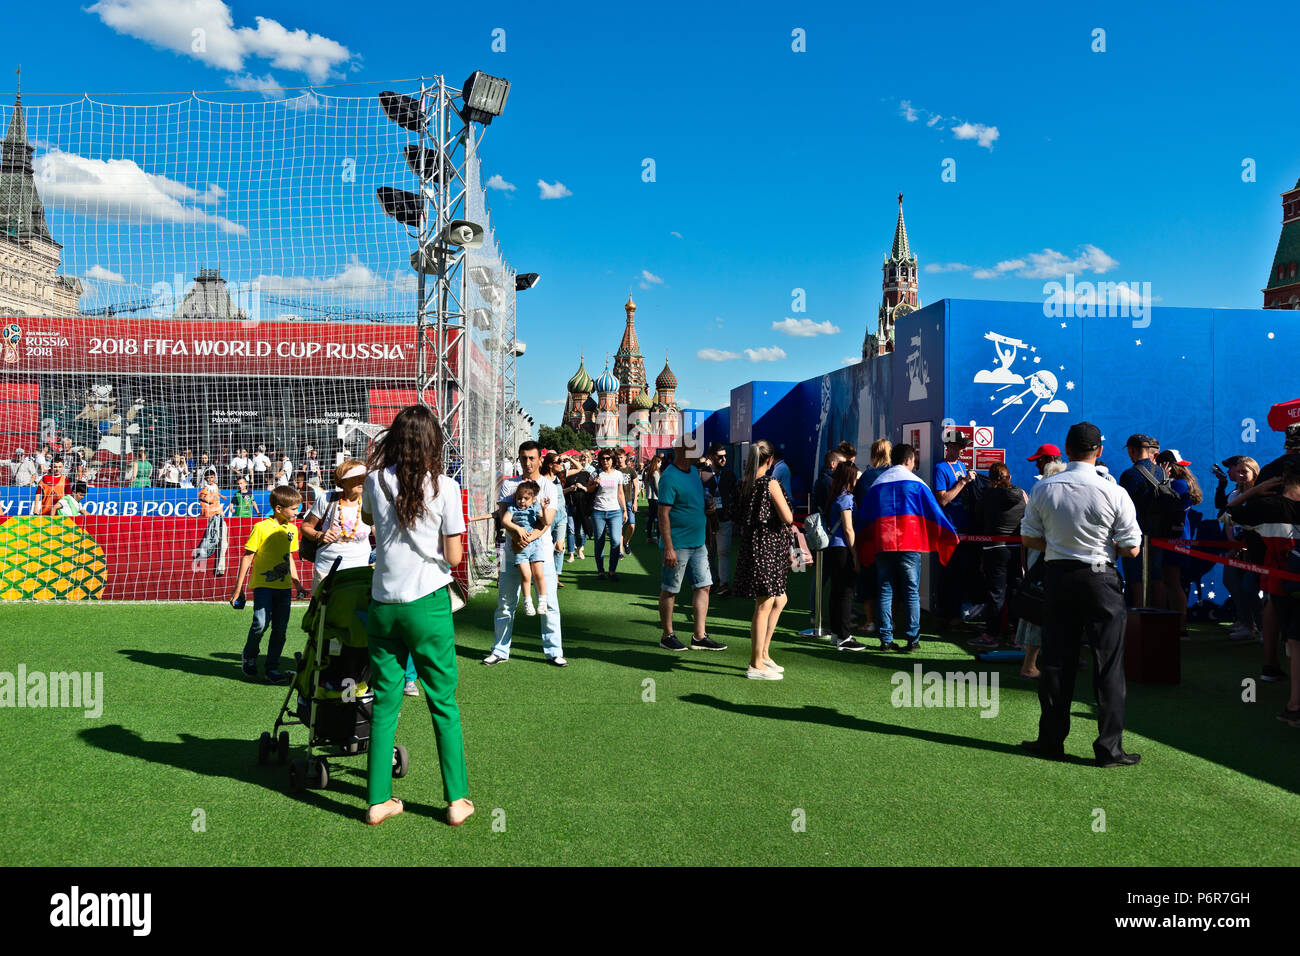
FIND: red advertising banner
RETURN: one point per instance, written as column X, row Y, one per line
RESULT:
column 200, row 347
column 117, row 558
column 987, row 457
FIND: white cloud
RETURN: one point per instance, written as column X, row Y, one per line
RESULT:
column 205, row 30
column 1050, row 264
column 676, row 233
column 766, row 354
column 716, row 355
column 648, row 279
column 946, row 267
column 496, row 182
column 984, row 135
column 551, row 401
column 355, row 281
column 119, row 189
column 555, row 190
column 267, row 85
column 851, row 360
column 805, row 328
column 100, row 274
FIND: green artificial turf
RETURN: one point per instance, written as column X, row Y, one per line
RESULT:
column 577, row 766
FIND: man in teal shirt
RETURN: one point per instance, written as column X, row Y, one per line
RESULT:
column 681, row 535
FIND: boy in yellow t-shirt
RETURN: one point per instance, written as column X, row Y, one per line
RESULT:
column 269, row 554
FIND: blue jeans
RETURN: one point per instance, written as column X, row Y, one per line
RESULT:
column 508, row 601
column 609, row 526
column 577, row 535
column 270, row 608
column 901, row 569
column 558, row 529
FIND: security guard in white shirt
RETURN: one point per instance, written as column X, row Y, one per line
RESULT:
column 1082, row 522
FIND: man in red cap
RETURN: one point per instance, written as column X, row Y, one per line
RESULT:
column 1045, row 455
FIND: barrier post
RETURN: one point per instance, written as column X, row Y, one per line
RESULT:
column 816, row 629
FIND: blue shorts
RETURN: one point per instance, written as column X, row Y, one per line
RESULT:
column 696, row 560
column 629, row 518
column 539, row 550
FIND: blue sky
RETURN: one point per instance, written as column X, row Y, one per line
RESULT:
column 778, row 170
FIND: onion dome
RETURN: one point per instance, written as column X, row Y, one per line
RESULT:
column 666, row 378
column 641, row 402
column 581, row 382
column 591, row 405
column 607, row 382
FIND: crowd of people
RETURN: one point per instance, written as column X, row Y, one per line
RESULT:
column 180, row 469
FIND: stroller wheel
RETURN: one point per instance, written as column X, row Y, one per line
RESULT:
column 401, row 761
column 282, row 747
column 297, row 776
column 264, row 748
column 321, row 777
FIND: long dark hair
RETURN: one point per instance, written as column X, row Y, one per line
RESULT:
column 846, row 473
column 412, row 446
column 760, row 453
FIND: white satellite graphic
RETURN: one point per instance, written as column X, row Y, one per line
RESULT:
column 1042, row 385
column 1002, row 375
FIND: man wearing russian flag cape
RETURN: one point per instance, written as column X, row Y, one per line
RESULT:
column 899, row 520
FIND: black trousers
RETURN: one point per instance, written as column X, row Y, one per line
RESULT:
column 1082, row 600
column 837, row 563
column 956, row 578
column 1002, row 576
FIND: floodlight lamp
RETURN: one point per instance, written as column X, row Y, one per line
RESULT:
column 460, row 232
column 482, row 318
column 432, row 260
column 403, row 110
column 424, row 163
column 485, row 97
column 526, row 280
column 482, row 276
column 520, row 348
column 405, row 207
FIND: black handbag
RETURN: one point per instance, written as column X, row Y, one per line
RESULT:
column 1030, row 602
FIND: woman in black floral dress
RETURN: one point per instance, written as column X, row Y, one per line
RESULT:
column 763, row 521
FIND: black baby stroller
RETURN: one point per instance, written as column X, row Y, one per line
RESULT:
column 330, row 693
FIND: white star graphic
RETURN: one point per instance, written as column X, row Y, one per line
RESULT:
column 1062, row 368
column 1139, row 342
column 1069, row 386
column 1037, row 359
column 1062, row 325
column 1033, row 348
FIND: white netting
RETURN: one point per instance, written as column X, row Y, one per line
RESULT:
column 195, row 278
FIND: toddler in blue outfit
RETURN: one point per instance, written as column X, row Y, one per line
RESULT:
column 524, row 515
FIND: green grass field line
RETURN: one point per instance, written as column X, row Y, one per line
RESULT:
column 574, row 766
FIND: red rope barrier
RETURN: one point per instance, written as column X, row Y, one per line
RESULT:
column 1171, row 544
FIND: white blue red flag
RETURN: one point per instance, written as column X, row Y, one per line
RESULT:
column 900, row 513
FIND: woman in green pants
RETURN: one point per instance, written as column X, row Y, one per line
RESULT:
column 415, row 511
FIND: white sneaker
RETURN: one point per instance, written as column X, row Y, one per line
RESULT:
column 529, row 609
column 766, row 673
column 542, row 605
column 569, row 559
column 773, row 666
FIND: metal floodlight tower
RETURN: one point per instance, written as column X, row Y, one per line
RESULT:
column 435, row 217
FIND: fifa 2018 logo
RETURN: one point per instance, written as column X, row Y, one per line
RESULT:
column 13, row 335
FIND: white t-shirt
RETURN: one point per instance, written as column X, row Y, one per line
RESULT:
column 25, row 473
column 261, row 463
column 285, row 474
column 403, row 573
column 607, row 496
column 545, row 499
column 240, row 466
column 170, row 473
column 353, row 545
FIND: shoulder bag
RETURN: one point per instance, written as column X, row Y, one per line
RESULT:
column 309, row 547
